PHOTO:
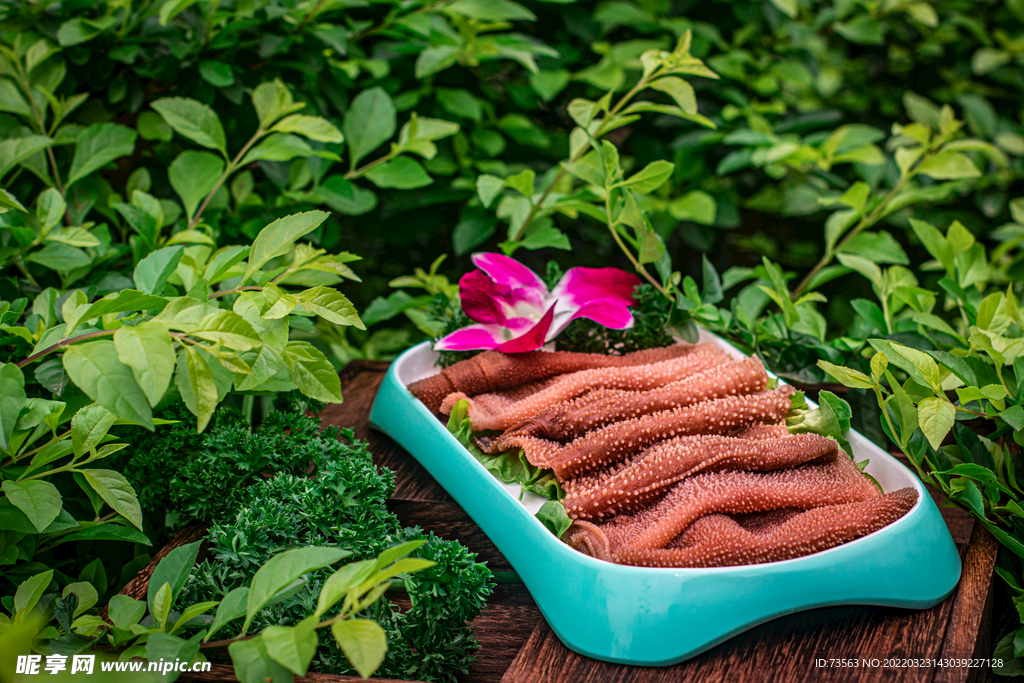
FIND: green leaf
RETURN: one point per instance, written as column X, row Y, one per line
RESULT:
column 152, row 272
column 194, row 120
column 11, row 99
column 88, row 427
column 85, row 592
column 193, row 175
column 173, row 571
column 1014, row 416
column 217, row 74
column 231, row 607
column 331, row 305
column 696, row 206
column 31, row 590
column 125, row 611
column 865, row 268
column 864, row 30
column 488, row 187
column 115, row 490
column 311, row 372
column 292, row 646
column 877, row 247
column 95, row 369
column 650, row 178
column 787, row 6
column 547, row 84
column 12, row 401
column 436, row 58
column 50, row 208
column 77, row 31
column 554, row 518
column 124, row 301
column 39, row 500
column 97, row 146
column 253, row 664
column 14, row 151
column 9, row 202
column 935, row 242
column 491, row 10
column 272, row 101
column 160, row 604
column 401, row 173
column 337, row 584
column 228, row 328
column 948, row 165
column 148, row 350
column 369, row 122
column 279, row 147
column 936, row 417
column 313, row 127
column 363, row 642
column 195, row 383
column 281, row 570
column 278, row 238
column 679, row 90
column 846, row 376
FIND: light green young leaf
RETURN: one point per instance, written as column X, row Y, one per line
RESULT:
column 194, row 120
column 865, row 267
column 948, row 165
column 16, row 150
column 97, row 146
column 88, row 427
column 488, row 187
column 152, row 272
column 161, row 605
column 278, row 238
column 125, row 611
column 31, row 590
column 679, row 90
column 95, row 369
column 195, row 383
column 148, row 350
column 12, row 401
column 331, row 305
column 292, row 647
column 172, row 8
column 697, row 206
column 311, row 372
column 790, row 7
column 278, row 147
column 50, row 208
column 650, row 178
column 936, row 417
column 846, row 376
column 39, row 500
column 369, row 122
column 401, row 173
column 193, row 176
column 228, row 328
column 253, row 664
column 123, row 301
column 313, row 127
column 363, row 642
column 231, row 607
column 115, row 490
column 272, row 101
column 281, row 570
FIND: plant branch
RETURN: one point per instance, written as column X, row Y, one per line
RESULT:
column 231, row 168
column 65, row 342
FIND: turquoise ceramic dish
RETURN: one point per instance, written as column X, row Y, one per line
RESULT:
column 657, row 617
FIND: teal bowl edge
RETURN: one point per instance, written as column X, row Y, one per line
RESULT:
column 662, row 616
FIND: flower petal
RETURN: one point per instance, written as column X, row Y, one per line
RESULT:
column 608, row 312
column 580, row 285
column 507, row 271
column 471, row 338
column 533, row 339
column 481, row 298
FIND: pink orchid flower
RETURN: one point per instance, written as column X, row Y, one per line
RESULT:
column 514, row 311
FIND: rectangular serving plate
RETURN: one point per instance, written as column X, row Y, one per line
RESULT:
column 662, row 616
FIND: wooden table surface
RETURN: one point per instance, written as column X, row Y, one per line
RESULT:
column 519, row 647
